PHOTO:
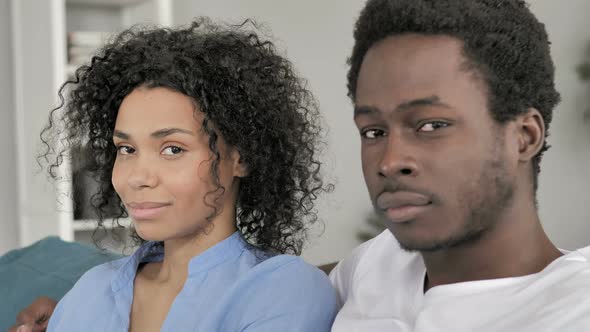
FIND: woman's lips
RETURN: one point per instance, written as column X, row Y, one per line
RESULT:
column 146, row 210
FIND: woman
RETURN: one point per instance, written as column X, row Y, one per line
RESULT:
column 208, row 139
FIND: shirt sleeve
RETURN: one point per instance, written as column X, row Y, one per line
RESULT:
column 57, row 314
column 83, row 302
column 293, row 297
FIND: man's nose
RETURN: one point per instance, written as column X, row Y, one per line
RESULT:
column 398, row 158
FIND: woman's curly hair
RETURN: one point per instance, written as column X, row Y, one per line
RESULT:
column 249, row 94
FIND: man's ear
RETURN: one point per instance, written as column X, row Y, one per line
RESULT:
column 239, row 166
column 531, row 134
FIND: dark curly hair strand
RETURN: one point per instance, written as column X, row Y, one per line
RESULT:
column 250, row 96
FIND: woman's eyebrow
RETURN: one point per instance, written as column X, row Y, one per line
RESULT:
column 169, row 131
column 156, row 134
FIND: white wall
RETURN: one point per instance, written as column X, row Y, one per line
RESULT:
column 8, row 185
column 38, row 48
column 317, row 37
column 564, row 195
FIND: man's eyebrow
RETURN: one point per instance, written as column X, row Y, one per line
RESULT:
column 365, row 110
column 405, row 106
column 427, row 101
column 156, row 134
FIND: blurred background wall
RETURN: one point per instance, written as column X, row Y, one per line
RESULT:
column 317, row 37
column 9, row 229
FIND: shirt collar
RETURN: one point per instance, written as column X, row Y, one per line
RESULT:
column 151, row 251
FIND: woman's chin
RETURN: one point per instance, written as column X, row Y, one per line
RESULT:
column 150, row 234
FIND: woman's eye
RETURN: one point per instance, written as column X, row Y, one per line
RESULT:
column 172, row 150
column 372, row 133
column 124, row 149
column 432, row 126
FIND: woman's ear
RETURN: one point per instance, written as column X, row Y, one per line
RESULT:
column 239, row 166
column 531, row 134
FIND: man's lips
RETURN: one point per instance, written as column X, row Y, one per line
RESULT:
column 146, row 210
column 402, row 206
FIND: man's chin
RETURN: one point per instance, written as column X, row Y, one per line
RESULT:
column 422, row 245
column 425, row 244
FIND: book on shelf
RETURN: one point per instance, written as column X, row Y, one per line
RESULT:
column 88, row 38
column 82, row 45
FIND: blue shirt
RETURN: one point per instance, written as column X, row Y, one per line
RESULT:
column 230, row 287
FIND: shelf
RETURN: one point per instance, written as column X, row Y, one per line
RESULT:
column 43, row 27
column 111, row 3
column 90, row 225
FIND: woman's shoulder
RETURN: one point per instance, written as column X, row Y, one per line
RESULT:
column 92, row 292
column 99, row 277
column 289, row 276
column 106, row 269
column 290, row 265
column 284, row 292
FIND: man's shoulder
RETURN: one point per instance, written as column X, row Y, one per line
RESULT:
column 584, row 252
column 570, row 271
column 562, row 293
column 351, row 262
column 379, row 263
column 564, row 285
column 382, row 249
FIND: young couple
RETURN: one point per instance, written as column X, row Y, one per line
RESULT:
column 208, row 139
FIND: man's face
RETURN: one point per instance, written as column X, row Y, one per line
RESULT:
column 434, row 160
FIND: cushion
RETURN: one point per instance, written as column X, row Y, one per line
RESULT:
column 49, row 267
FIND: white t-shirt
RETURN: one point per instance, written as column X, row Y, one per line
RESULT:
column 380, row 288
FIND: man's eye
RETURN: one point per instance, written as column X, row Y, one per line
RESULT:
column 124, row 149
column 172, row 150
column 432, row 126
column 372, row 133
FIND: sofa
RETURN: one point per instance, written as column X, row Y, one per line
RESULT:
column 49, row 267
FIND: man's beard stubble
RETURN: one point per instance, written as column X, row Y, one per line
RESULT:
column 483, row 205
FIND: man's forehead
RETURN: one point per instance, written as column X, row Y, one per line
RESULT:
column 410, row 46
column 412, row 67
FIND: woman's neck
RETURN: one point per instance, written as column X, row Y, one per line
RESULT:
column 178, row 252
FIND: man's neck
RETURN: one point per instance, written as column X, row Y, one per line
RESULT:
column 516, row 246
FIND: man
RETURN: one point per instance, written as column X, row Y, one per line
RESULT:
column 453, row 100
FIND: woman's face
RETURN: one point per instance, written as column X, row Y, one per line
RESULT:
column 162, row 171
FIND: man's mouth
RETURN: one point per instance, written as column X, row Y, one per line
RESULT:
column 403, row 206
